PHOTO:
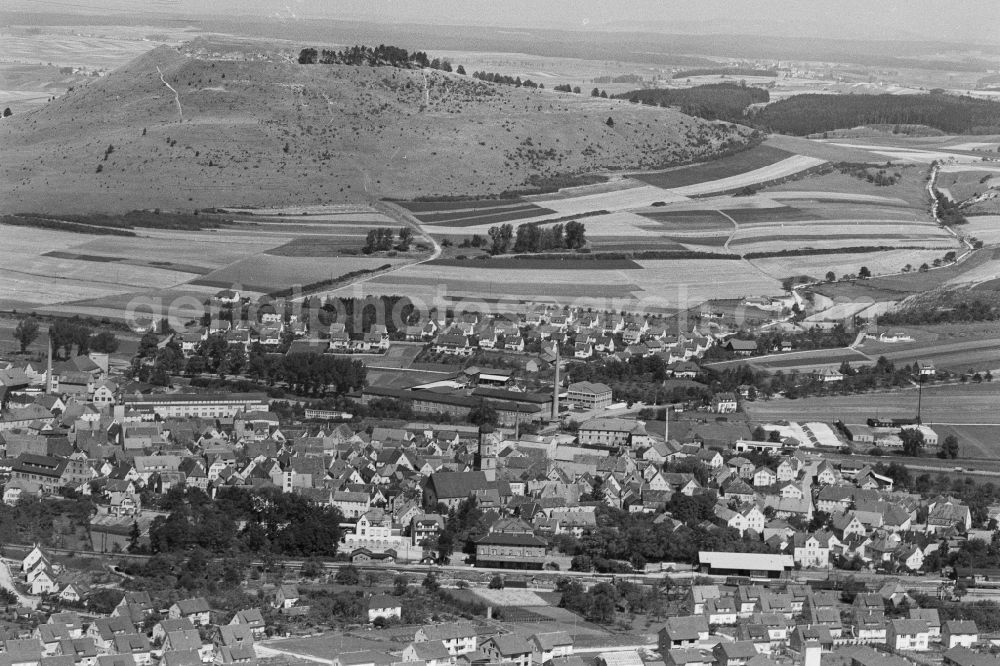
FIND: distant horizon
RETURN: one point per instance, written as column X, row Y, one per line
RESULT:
column 969, row 23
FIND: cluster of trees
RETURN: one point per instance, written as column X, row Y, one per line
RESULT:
column 494, row 77
column 636, row 539
column 639, row 379
column 535, row 238
column 948, row 211
column 34, row 520
column 599, row 93
column 880, row 178
column 813, row 114
column 276, row 523
column 67, row 334
column 718, row 101
column 306, row 373
column 377, row 56
column 382, row 239
column 974, row 310
column 601, row 602
column 621, row 78
column 565, row 87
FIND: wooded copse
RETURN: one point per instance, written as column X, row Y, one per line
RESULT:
column 377, row 56
column 717, row 101
column 536, row 238
column 813, row 114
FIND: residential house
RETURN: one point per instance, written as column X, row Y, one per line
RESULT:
column 683, row 632
column 906, row 634
column 508, row 649
column 196, row 610
column 955, row 633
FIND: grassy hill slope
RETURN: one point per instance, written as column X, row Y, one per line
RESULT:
column 262, row 130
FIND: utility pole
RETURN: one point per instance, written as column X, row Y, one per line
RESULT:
column 920, row 396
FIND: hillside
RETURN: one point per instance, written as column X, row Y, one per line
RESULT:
column 263, row 130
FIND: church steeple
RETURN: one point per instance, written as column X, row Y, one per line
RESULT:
column 486, row 454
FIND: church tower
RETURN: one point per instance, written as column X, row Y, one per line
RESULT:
column 486, row 455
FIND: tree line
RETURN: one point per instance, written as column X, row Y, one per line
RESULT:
column 495, row 77
column 66, row 334
column 377, row 56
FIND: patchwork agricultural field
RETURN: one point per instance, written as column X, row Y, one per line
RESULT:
column 79, row 273
column 655, row 284
column 798, row 209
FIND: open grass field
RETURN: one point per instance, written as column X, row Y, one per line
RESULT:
column 786, row 167
column 883, row 262
column 689, row 221
column 964, row 403
column 984, row 227
column 725, row 167
column 976, row 355
column 974, row 441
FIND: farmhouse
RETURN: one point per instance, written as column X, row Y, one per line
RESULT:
column 741, row 347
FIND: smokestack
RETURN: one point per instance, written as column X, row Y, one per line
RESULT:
column 48, row 368
column 555, row 388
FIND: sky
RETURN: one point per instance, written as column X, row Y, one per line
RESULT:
column 952, row 20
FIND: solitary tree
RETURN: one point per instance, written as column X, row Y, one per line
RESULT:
column 26, row 332
column 460, row 70
column 864, row 273
column 950, row 447
column 913, row 441
column 831, row 276
column 7, row 112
